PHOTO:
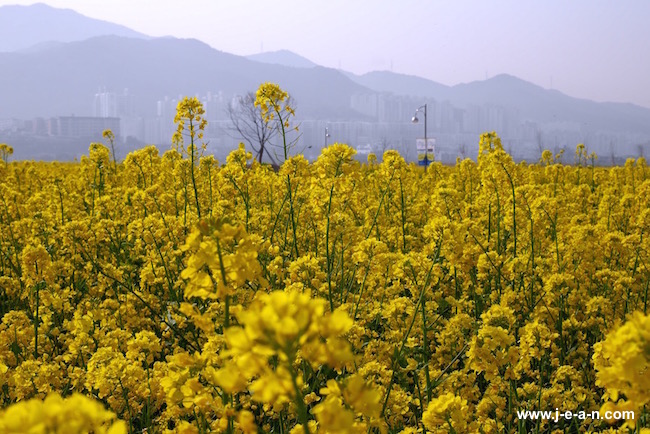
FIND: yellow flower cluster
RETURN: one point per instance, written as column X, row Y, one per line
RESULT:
column 189, row 116
column 223, row 259
column 272, row 101
column 181, row 295
column 446, row 413
column 76, row 414
column 622, row 362
column 5, row 152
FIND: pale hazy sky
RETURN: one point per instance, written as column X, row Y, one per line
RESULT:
column 596, row 49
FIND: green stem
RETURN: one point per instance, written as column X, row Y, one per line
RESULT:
column 327, row 240
column 299, row 400
column 514, row 211
column 381, row 201
column 192, row 148
column 401, row 189
column 425, row 342
column 226, row 319
column 36, row 318
column 289, row 188
column 363, row 286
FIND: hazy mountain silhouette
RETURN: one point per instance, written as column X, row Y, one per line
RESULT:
column 530, row 100
column 283, row 57
column 401, row 84
column 22, row 27
column 545, row 105
column 62, row 79
column 55, row 68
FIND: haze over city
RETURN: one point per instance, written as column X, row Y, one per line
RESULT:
column 592, row 49
column 543, row 75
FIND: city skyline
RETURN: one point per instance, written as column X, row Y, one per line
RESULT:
column 586, row 49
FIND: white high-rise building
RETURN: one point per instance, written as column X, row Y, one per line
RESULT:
column 105, row 105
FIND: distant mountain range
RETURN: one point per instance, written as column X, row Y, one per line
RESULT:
column 23, row 27
column 54, row 61
column 282, row 57
column 62, row 79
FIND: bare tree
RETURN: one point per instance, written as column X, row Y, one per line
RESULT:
column 248, row 124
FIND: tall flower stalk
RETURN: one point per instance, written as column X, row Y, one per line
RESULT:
column 275, row 105
column 191, row 123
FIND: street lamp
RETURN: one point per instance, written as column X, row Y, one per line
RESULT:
column 415, row 120
column 327, row 135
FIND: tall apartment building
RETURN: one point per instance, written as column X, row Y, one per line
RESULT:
column 105, row 105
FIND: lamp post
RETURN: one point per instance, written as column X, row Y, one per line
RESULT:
column 327, row 135
column 415, row 120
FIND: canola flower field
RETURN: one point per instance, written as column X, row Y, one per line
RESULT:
column 171, row 293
